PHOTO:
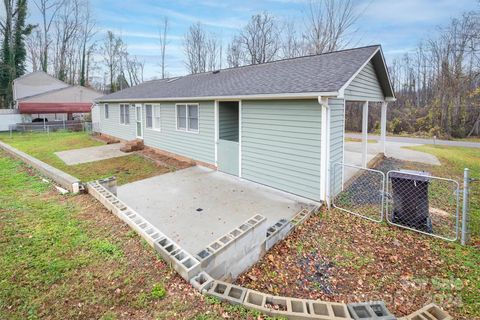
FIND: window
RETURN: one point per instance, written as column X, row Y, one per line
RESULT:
column 124, row 114
column 148, row 116
column 187, row 117
column 152, row 114
column 156, row 117
column 106, row 110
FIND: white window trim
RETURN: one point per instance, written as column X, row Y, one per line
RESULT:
column 187, row 129
column 155, row 105
column 106, row 111
column 124, row 118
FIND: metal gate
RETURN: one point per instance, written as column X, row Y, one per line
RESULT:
column 414, row 200
column 423, row 203
column 359, row 191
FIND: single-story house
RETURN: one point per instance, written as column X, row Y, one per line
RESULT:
column 39, row 95
column 280, row 124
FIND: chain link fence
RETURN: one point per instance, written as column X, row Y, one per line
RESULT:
column 51, row 126
column 423, row 203
column 358, row 191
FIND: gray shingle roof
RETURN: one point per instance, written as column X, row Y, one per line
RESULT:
column 317, row 73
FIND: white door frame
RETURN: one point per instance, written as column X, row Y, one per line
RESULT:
column 139, row 119
column 217, row 133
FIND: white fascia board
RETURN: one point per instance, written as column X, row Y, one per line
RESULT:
column 302, row 95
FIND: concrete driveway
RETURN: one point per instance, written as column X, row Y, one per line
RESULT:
column 196, row 206
column 91, row 154
column 353, row 153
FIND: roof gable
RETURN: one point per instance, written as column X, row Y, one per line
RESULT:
column 35, row 83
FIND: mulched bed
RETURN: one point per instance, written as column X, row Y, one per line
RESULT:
column 165, row 160
column 338, row 257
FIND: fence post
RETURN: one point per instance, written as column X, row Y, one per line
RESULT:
column 465, row 218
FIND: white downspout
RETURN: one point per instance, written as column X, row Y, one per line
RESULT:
column 325, row 152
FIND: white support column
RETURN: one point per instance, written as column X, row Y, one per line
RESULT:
column 383, row 127
column 325, row 152
column 215, row 139
column 365, row 134
column 240, row 138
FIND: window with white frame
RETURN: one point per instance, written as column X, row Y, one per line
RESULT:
column 187, row 117
column 148, row 116
column 152, row 116
column 125, row 114
column 107, row 114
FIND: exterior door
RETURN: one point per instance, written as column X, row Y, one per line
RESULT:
column 228, row 146
column 138, row 117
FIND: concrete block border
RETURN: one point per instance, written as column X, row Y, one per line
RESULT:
column 65, row 180
column 184, row 263
column 375, row 310
column 429, row 312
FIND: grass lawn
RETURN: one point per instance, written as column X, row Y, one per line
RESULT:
column 66, row 257
column 42, row 146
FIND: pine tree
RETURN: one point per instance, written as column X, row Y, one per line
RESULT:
column 13, row 54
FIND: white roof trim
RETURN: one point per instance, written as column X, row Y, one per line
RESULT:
column 301, row 95
column 345, row 86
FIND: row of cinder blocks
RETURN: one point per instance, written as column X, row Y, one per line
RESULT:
column 373, row 310
column 122, row 211
column 186, row 265
column 301, row 216
column 277, row 232
column 429, row 312
column 297, row 309
column 234, row 252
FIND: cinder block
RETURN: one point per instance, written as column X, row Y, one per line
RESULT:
column 429, row 312
column 227, row 292
column 256, row 301
column 374, row 310
column 202, row 282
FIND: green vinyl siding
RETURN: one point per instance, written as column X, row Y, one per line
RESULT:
column 198, row 146
column 365, row 86
column 112, row 125
column 281, row 145
column 337, row 122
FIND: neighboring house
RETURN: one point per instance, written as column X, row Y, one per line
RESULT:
column 280, row 124
column 39, row 95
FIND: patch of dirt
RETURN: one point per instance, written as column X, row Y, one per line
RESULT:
column 164, row 160
column 107, row 140
column 338, row 257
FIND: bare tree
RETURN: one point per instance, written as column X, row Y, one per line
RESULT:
column 260, row 38
column 48, row 10
column 111, row 49
column 87, row 34
column 196, row 49
column 235, row 53
column 292, row 43
column 202, row 50
column 329, row 24
column 67, row 28
column 163, row 43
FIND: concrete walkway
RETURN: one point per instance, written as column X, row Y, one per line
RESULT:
column 452, row 143
column 196, row 206
column 91, row 154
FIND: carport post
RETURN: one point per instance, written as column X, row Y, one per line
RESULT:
column 383, row 128
column 365, row 134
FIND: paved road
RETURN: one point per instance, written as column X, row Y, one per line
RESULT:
column 419, row 140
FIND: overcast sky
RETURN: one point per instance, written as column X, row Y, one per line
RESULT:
column 398, row 25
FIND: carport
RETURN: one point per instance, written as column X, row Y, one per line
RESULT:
column 196, row 206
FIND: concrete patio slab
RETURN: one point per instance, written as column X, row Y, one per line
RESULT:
column 196, row 206
column 91, row 154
